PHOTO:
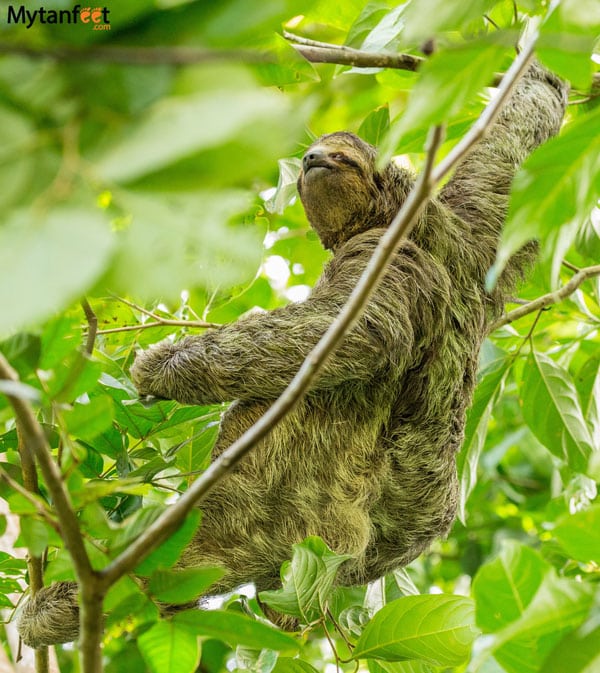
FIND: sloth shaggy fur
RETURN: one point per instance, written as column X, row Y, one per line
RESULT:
column 367, row 459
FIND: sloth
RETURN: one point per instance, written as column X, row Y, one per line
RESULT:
column 367, row 459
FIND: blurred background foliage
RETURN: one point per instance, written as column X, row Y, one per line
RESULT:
column 153, row 190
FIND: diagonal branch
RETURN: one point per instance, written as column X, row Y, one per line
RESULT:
column 548, row 299
column 36, row 444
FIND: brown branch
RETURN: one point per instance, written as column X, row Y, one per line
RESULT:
column 37, row 445
column 323, row 53
column 548, row 299
column 311, row 50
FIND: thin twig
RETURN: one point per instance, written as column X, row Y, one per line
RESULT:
column 548, row 299
column 159, row 321
column 92, row 321
column 163, row 322
column 35, row 579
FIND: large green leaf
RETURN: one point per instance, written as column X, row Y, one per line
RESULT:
column 579, row 534
column 438, row 629
column 50, row 260
column 182, row 126
column 288, row 665
column 578, row 652
column 235, row 629
column 425, row 18
column 552, row 411
column 447, row 82
column 169, row 648
column 504, row 587
column 307, row 580
column 558, row 606
column 478, row 416
column 183, row 585
column 557, row 185
column 181, row 240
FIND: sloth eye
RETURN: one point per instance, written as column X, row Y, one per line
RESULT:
column 337, row 155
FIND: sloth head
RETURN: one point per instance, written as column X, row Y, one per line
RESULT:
column 341, row 189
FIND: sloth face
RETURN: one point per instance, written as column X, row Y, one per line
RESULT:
column 337, row 185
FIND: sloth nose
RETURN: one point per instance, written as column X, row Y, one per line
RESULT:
column 314, row 158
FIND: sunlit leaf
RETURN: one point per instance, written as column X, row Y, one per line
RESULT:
column 448, row 81
column 50, row 260
column 235, row 629
column 478, row 417
column 558, row 184
column 552, row 411
column 438, row 629
column 579, row 534
column 375, row 126
column 307, row 580
column 504, row 587
column 425, row 18
column 169, row 648
column 183, row 585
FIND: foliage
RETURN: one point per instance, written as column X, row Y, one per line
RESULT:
column 150, row 189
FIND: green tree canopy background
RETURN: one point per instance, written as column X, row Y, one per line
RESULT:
column 148, row 177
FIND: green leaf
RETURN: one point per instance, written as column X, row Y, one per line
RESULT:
column 307, row 580
column 504, row 587
column 558, row 606
column 87, row 421
column 447, row 82
column 288, row 665
column 181, row 240
column 169, row 648
column 179, row 127
column 235, row 629
column 414, row 666
column 376, row 125
column 439, row 629
column 288, row 66
column 490, row 384
column 183, row 585
column 558, row 184
column 50, row 261
column 286, row 185
column 169, row 551
column 425, row 18
column 578, row 652
column 552, row 410
column 579, row 534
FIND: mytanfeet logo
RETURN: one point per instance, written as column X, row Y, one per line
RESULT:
column 95, row 17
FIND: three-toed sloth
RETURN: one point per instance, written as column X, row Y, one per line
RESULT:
column 366, row 459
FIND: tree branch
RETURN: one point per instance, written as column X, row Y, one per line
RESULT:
column 547, row 299
column 37, row 446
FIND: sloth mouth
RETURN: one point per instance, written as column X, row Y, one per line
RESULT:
column 318, row 168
